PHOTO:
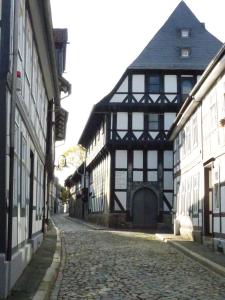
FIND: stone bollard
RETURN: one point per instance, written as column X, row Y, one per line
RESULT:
column 176, row 229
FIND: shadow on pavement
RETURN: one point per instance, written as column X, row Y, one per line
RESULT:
column 33, row 274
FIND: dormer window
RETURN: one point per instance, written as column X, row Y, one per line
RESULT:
column 185, row 52
column 185, row 33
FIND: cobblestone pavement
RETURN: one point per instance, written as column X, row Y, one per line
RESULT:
column 116, row 265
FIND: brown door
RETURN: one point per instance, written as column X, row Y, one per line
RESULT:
column 31, row 194
column 208, row 200
column 145, row 208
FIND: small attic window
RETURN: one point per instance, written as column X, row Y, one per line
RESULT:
column 185, row 52
column 185, row 33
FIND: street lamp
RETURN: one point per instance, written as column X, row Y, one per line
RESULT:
column 61, row 162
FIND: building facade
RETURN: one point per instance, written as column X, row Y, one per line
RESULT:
column 30, row 113
column 129, row 160
column 199, row 157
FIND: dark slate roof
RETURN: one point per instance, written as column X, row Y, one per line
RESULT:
column 163, row 51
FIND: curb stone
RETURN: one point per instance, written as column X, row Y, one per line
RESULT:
column 55, row 291
column 49, row 279
column 212, row 266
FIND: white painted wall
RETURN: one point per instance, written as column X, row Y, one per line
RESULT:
column 121, row 159
column 138, row 121
column 168, row 180
column 120, row 179
column 152, row 159
column 211, row 144
column 99, row 186
column 138, row 83
column 152, row 176
column 170, row 83
column 97, row 143
column 168, row 120
column 118, row 98
column 168, row 159
column 138, row 159
column 122, row 120
column 122, row 196
column 137, row 176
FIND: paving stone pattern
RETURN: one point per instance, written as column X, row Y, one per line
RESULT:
column 116, row 265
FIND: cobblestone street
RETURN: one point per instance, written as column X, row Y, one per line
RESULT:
column 120, row 265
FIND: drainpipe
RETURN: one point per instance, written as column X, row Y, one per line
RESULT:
column 12, row 125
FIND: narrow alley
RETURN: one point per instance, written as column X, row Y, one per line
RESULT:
column 124, row 265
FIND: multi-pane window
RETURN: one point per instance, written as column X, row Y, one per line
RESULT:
column 186, row 86
column 153, row 121
column 154, row 85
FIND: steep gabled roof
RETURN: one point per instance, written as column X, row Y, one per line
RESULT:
column 163, row 51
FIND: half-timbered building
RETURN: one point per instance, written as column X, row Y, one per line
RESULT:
column 199, row 158
column 31, row 119
column 129, row 161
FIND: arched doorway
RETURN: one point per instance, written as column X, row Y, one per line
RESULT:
column 145, row 208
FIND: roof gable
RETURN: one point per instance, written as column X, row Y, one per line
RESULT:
column 163, row 51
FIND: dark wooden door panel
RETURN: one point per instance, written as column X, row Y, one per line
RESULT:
column 145, row 209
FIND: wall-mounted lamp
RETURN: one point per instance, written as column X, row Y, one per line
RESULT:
column 61, row 162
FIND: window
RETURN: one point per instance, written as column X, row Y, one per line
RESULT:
column 185, row 33
column 216, row 188
column 213, row 116
column 195, row 193
column 21, row 29
column 29, row 41
column 195, row 131
column 185, row 52
column 154, row 84
column 188, row 138
column 153, row 122
column 183, row 143
column 186, row 86
column 189, row 196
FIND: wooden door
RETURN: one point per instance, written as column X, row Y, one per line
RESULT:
column 208, row 200
column 145, row 208
column 30, row 220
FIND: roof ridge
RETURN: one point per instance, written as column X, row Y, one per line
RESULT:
column 162, row 52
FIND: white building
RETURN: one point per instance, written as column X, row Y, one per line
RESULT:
column 129, row 162
column 31, row 118
column 199, row 158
